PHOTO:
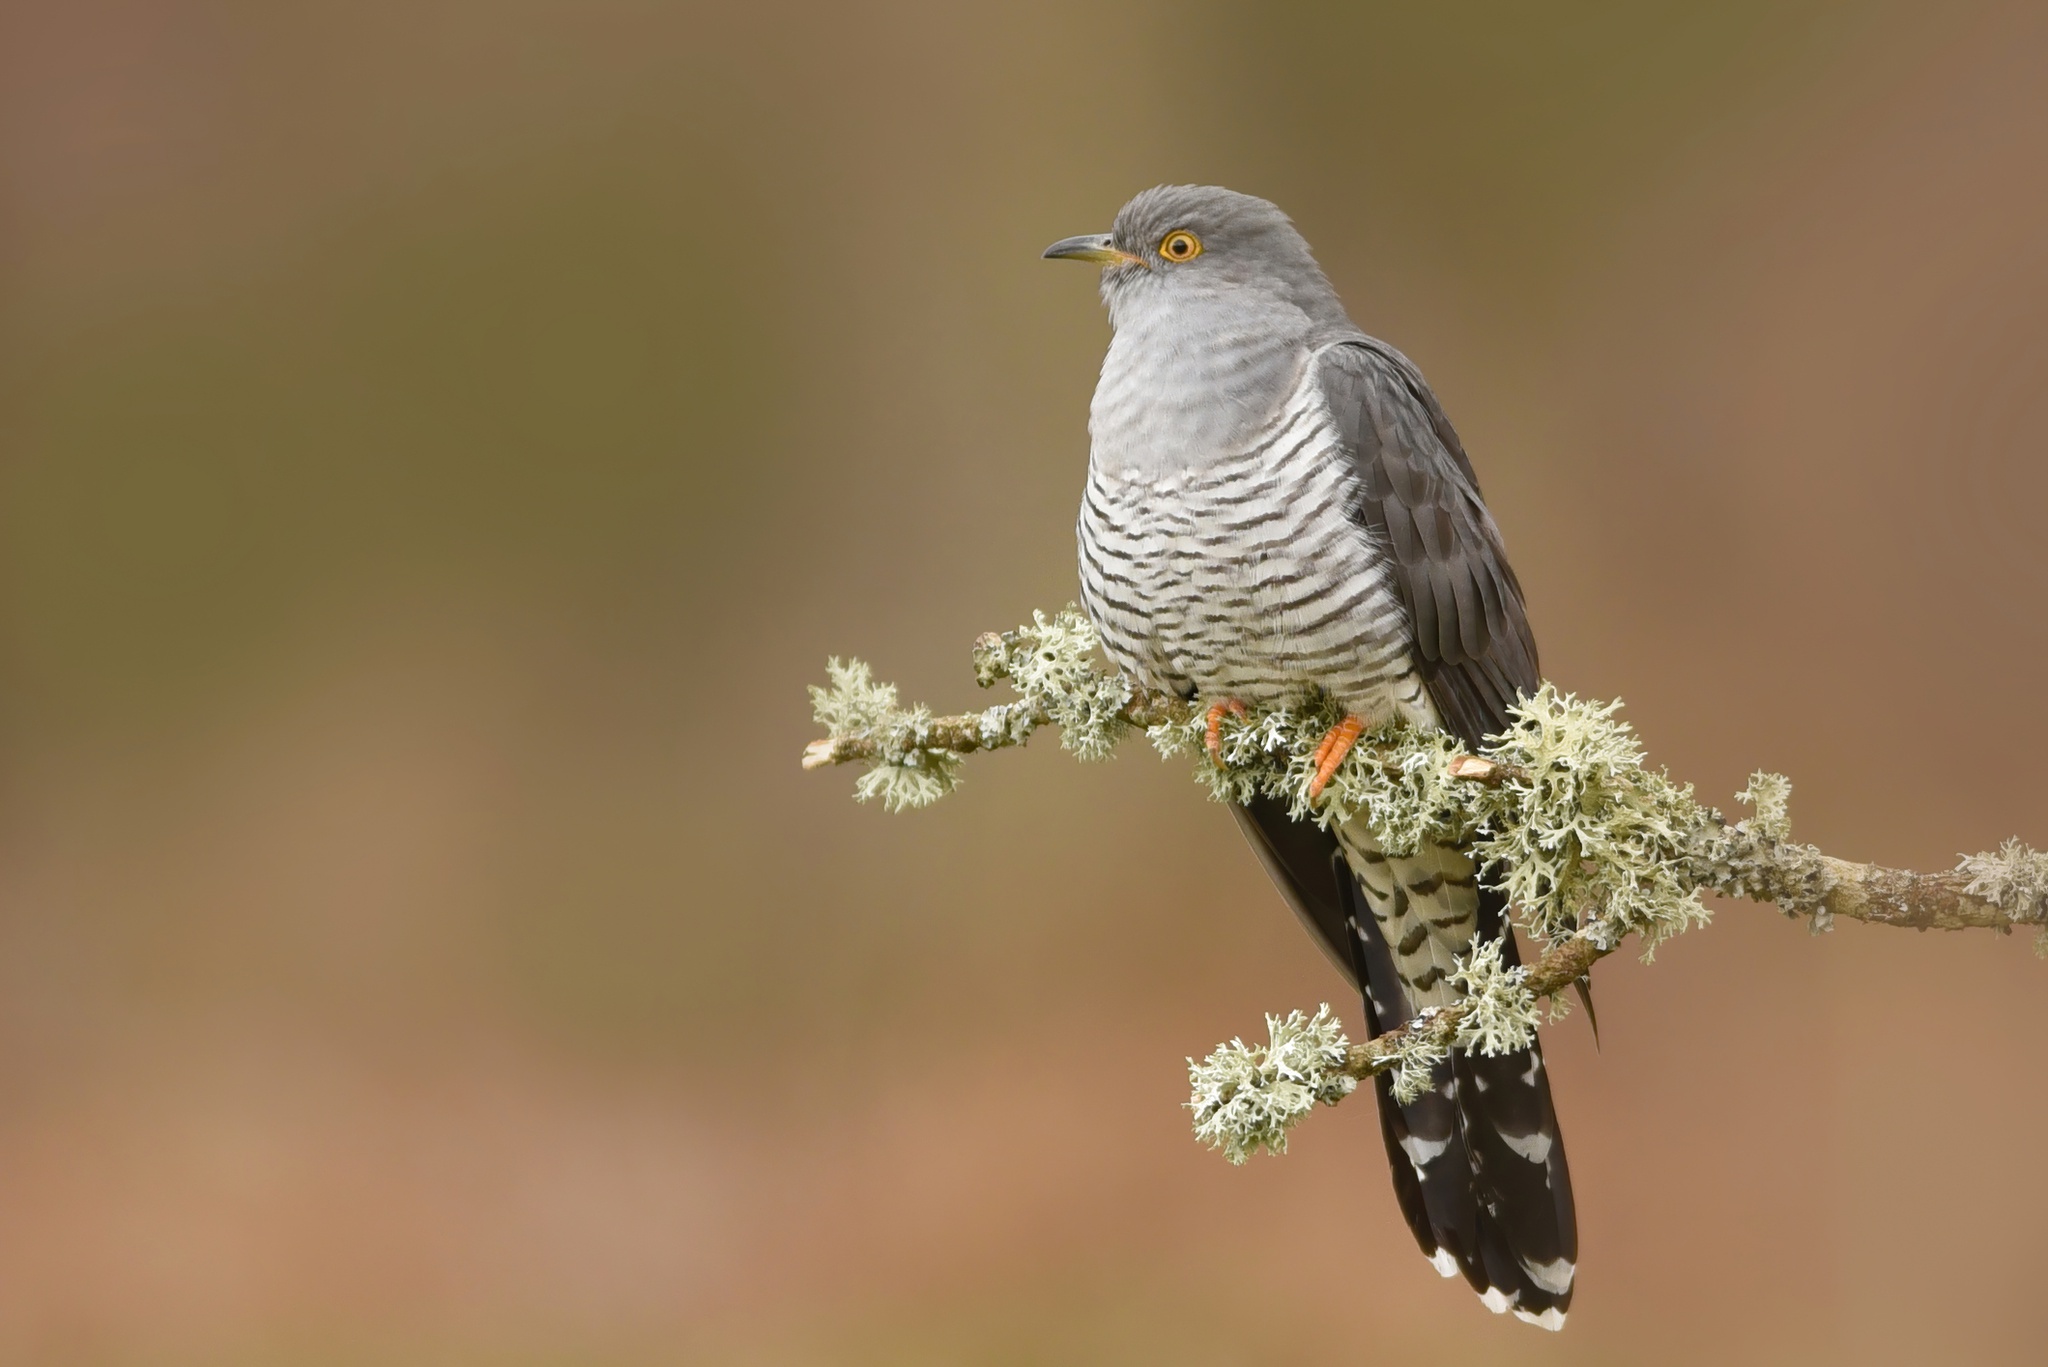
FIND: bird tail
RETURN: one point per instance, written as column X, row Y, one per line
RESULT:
column 1477, row 1160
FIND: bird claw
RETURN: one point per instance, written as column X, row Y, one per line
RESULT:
column 1330, row 752
column 1212, row 734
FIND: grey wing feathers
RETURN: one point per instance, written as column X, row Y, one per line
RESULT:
column 1419, row 499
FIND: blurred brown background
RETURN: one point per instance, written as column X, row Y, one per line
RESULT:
column 439, row 441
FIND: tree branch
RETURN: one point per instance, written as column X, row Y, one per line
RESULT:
column 1590, row 845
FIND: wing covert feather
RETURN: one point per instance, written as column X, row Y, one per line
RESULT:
column 1418, row 497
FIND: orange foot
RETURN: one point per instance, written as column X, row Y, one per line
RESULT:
column 1336, row 744
column 1213, row 736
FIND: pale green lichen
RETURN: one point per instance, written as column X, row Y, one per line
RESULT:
column 1416, row 1055
column 907, row 774
column 1051, row 664
column 1758, row 859
column 1401, row 786
column 855, row 702
column 1770, row 797
column 1583, row 834
column 1247, row 1096
column 1396, row 779
column 1500, row 1015
column 2015, row 880
column 1739, row 861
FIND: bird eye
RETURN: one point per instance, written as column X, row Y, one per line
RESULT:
column 1180, row 245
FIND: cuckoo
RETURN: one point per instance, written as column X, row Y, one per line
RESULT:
column 1276, row 506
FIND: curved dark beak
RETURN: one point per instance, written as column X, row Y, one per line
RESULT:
column 1091, row 247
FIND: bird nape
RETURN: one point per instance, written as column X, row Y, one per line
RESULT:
column 1277, row 505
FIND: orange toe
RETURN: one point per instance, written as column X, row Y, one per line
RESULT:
column 1330, row 752
column 1212, row 735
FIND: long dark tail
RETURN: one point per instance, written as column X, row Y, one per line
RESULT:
column 1478, row 1162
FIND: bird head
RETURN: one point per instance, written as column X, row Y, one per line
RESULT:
column 1176, row 244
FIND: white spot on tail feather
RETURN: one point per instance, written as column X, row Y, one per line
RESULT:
column 1444, row 1263
column 1423, row 1152
column 1534, row 1147
column 1551, row 1319
column 1554, row 1276
column 1493, row 1300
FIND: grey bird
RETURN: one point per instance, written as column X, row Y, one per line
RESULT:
column 1277, row 505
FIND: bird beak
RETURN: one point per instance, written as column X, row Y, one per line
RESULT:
column 1091, row 247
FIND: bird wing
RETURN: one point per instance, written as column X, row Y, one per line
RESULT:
column 1419, row 500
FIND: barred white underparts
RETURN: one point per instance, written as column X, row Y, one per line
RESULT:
column 1244, row 576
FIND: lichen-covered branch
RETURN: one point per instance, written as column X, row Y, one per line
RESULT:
column 1590, row 845
column 913, row 757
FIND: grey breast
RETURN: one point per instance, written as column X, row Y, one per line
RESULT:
column 1219, row 555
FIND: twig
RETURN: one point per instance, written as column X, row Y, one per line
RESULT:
column 1563, row 964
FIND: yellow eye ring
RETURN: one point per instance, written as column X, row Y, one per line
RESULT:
column 1180, row 245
